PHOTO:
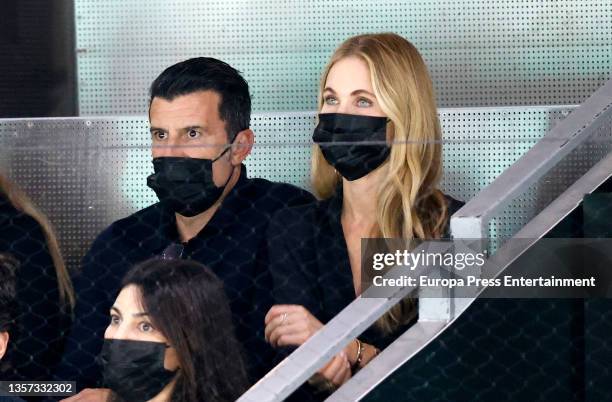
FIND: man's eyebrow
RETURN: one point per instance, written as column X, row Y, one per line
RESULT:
column 194, row 127
column 152, row 129
column 184, row 129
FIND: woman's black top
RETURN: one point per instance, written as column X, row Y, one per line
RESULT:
column 310, row 265
column 36, row 341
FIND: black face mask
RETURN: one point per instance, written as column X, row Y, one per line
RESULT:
column 185, row 185
column 344, row 138
column 134, row 370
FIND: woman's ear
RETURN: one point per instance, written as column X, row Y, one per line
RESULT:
column 242, row 145
column 171, row 359
column 4, row 338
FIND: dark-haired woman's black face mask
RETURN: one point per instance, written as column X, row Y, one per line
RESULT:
column 134, row 370
column 354, row 145
column 185, row 185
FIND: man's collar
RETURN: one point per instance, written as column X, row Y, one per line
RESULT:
column 164, row 220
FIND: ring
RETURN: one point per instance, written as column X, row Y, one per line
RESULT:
column 284, row 317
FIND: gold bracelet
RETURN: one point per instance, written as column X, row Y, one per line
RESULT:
column 359, row 353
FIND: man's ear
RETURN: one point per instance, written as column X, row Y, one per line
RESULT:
column 4, row 338
column 242, row 145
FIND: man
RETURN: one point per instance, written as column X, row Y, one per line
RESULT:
column 209, row 211
column 8, row 306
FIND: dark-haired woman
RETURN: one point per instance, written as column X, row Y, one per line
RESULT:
column 170, row 338
column 44, row 291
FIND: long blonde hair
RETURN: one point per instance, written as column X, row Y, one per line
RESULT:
column 409, row 202
column 22, row 203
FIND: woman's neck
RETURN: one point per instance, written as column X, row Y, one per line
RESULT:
column 359, row 198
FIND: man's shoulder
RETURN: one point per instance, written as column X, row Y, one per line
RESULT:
column 306, row 214
column 138, row 224
column 276, row 194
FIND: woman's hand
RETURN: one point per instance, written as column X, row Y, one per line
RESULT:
column 90, row 395
column 289, row 324
column 337, row 370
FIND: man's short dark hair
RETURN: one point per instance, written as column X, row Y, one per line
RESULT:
column 203, row 74
column 8, row 267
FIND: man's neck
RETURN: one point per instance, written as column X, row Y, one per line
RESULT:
column 189, row 226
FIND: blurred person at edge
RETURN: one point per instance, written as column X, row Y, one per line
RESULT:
column 209, row 211
column 376, row 88
column 170, row 338
column 45, row 296
column 8, row 308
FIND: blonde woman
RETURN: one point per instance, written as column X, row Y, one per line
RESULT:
column 376, row 88
column 44, row 291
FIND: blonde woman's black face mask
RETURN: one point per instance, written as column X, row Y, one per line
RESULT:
column 354, row 145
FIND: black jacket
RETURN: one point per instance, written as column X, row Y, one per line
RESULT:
column 232, row 244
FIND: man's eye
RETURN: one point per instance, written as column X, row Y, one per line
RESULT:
column 363, row 102
column 145, row 327
column 330, row 100
column 159, row 135
column 193, row 134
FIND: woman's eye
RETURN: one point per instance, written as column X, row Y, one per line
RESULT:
column 330, row 100
column 145, row 327
column 115, row 320
column 363, row 102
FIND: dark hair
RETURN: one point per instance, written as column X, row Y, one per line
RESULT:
column 8, row 266
column 203, row 74
column 187, row 304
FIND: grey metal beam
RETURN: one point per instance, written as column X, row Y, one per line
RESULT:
column 298, row 367
column 471, row 220
column 314, row 353
column 560, row 141
column 394, row 356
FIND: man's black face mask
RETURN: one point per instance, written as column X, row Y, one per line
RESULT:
column 185, row 185
column 354, row 145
